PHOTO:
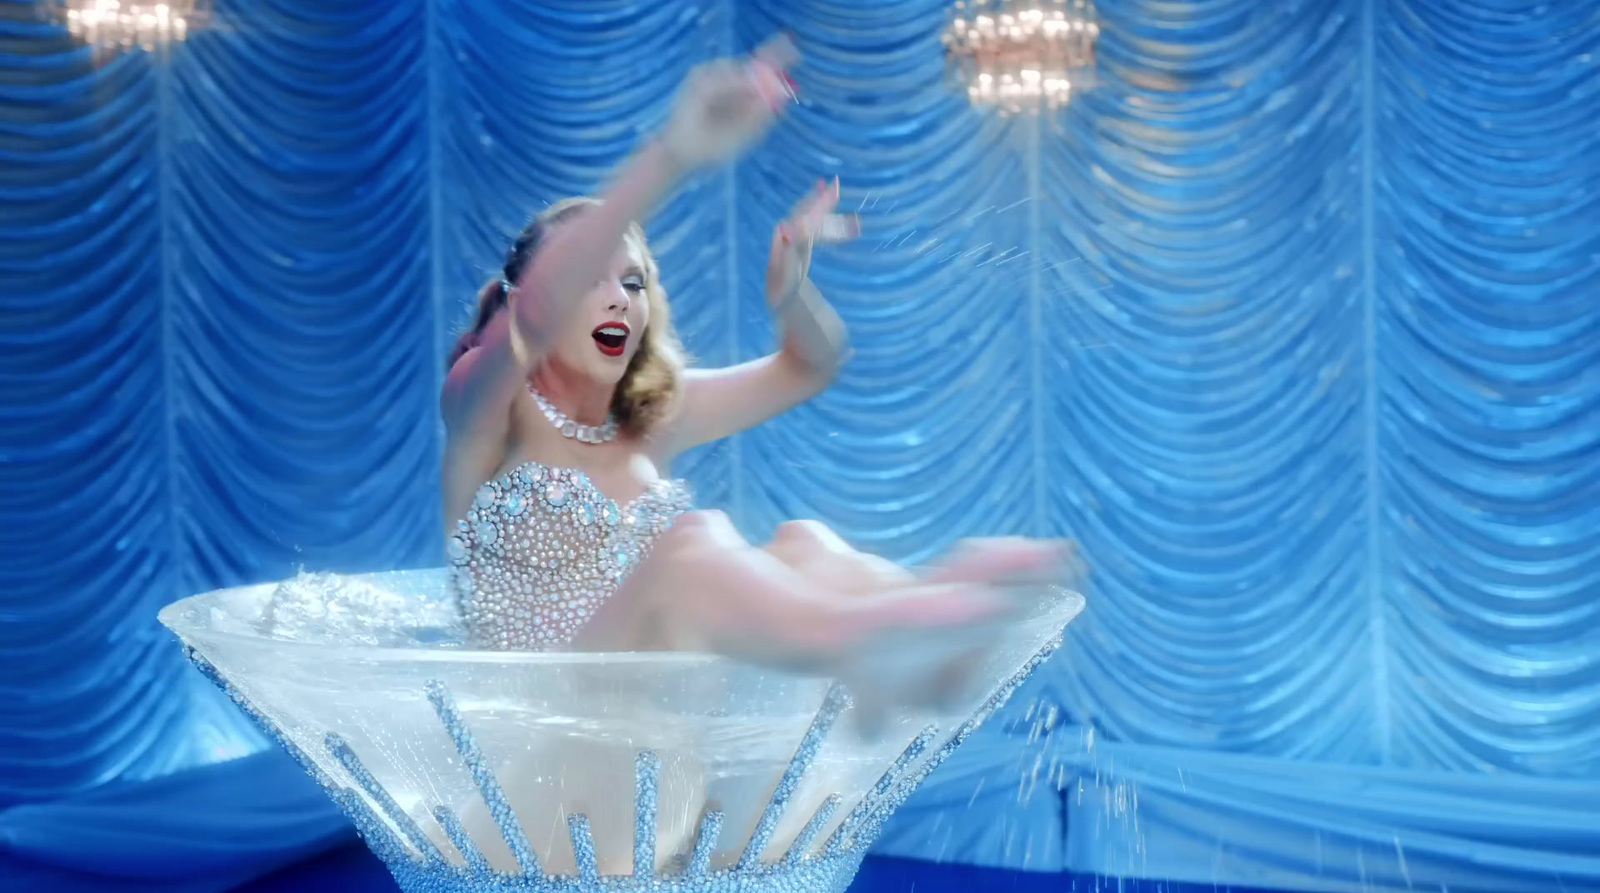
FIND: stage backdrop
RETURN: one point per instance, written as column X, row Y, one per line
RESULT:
column 1291, row 321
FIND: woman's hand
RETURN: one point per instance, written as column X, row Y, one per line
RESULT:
column 814, row 221
column 813, row 334
column 728, row 104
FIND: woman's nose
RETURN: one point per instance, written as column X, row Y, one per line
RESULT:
column 618, row 300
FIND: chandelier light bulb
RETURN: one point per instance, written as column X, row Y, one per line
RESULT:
column 1020, row 55
column 125, row 24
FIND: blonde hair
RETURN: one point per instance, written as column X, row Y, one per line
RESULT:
column 649, row 386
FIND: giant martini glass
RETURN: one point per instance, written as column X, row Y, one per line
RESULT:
column 541, row 772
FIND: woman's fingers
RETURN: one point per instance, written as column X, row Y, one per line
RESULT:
column 778, row 51
column 769, row 67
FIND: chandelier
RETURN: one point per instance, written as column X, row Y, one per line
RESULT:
column 1021, row 55
column 124, row 24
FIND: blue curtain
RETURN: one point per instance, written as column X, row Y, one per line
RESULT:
column 1290, row 320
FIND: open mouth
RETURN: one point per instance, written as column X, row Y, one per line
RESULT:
column 611, row 338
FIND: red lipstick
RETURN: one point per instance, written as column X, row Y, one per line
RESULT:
column 611, row 338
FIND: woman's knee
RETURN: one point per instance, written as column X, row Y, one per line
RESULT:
column 807, row 538
column 705, row 528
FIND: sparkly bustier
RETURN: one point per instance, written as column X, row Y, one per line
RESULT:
column 542, row 547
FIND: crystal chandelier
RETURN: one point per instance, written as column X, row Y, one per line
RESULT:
column 1021, row 55
column 124, row 24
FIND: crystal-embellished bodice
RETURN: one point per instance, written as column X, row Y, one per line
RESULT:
column 542, row 547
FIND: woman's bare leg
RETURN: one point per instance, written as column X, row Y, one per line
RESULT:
column 810, row 603
column 815, row 550
column 829, row 562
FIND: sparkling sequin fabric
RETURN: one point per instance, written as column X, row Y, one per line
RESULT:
column 542, row 547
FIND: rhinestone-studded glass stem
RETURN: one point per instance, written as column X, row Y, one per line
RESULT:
column 419, row 867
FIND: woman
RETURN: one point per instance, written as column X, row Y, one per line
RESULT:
column 568, row 400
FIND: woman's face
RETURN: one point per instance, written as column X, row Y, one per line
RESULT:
column 609, row 321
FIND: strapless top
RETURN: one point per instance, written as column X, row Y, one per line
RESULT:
column 541, row 549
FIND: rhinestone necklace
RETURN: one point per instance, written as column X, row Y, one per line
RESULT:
column 570, row 429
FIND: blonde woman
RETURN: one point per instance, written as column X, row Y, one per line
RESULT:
column 568, row 400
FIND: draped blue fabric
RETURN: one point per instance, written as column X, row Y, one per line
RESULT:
column 261, row 812
column 1290, row 319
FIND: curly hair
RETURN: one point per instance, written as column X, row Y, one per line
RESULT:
column 649, row 385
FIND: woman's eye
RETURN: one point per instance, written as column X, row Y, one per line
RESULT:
column 633, row 285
